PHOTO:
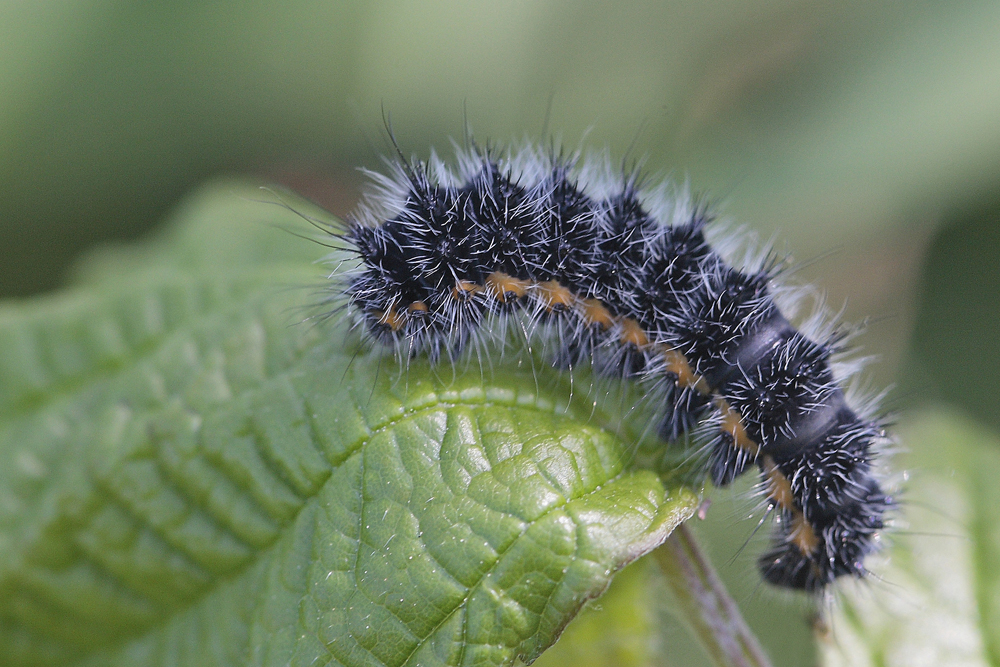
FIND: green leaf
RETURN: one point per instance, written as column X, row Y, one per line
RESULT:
column 191, row 475
column 936, row 597
column 619, row 629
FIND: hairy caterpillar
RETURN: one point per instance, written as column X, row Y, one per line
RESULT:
column 621, row 276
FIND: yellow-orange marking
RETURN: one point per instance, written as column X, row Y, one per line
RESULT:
column 632, row 334
column 594, row 312
column 392, row 319
column 677, row 364
column 802, row 534
column 464, row 289
column 779, row 490
column 506, row 287
column 556, row 296
column 732, row 423
column 417, row 306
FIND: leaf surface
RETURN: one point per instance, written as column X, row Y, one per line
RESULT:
column 191, row 475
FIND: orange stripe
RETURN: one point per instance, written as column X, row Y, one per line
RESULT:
column 678, row 364
column 556, row 296
column 594, row 312
column 392, row 319
column 464, row 289
column 506, row 287
column 732, row 423
column 802, row 534
column 632, row 334
column 779, row 489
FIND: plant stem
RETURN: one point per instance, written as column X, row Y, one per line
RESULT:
column 708, row 608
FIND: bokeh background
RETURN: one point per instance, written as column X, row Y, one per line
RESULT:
column 864, row 137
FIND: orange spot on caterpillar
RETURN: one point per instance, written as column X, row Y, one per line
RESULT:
column 802, row 534
column 417, row 307
column 594, row 312
column 632, row 334
column 732, row 423
column 506, row 288
column 779, row 490
column 677, row 364
column 464, row 290
column 392, row 319
column 557, row 298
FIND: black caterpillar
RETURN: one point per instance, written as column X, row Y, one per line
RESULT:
column 623, row 278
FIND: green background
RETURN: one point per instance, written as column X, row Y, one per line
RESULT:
column 864, row 137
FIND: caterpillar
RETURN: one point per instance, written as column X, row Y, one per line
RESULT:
column 621, row 276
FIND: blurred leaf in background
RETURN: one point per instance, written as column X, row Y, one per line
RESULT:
column 955, row 351
column 849, row 128
column 862, row 135
column 936, row 600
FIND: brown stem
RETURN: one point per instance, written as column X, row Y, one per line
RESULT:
column 711, row 613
